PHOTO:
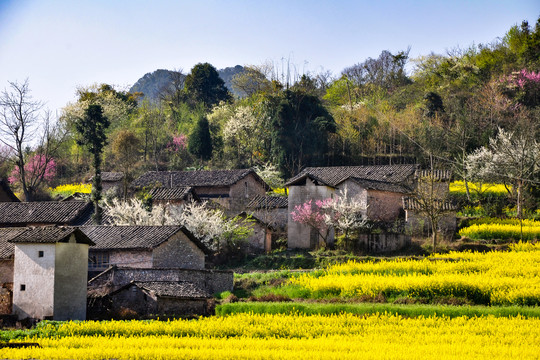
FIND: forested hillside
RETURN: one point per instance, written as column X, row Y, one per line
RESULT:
column 438, row 113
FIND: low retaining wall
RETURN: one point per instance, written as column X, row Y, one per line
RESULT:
column 384, row 242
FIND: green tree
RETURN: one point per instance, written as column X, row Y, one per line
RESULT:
column 91, row 128
column 300, row 129
column 203, row 85
column 126, row 148
column 200, row 142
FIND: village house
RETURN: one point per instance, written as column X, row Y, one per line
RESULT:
column 161, row 299
column 176, row 196
column 380, row 187
column 232, row 189
column 144, row 247
column 6, row 195
column 42, row 213
column 111, row 180
column 50, row 273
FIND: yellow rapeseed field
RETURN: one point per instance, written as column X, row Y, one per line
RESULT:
column 70, row 189
column 493, row 278
column 250, row 336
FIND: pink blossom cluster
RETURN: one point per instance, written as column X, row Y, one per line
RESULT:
column 311, row 214
column 522, row 78
column 178, row 143
column 37, row 166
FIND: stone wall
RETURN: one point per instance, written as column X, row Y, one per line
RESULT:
column 241, row 193
column 132, row 301
column 384, row 242
column 214, row 281
column 6, row 299
column 178, row 252
column 302, row 236
column 6, row 271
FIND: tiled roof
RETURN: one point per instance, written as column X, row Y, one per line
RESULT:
column 171, row 179
column 334, row 175
column 176, row 289
column 5, row 187
column 175, row 193
column 135, row 237
column 439, row 175
column 110, row 176
column 50, row 234
column 410, row 203
column 44, row 212
column 382, row 186
column 6, row 234
column 268, row 202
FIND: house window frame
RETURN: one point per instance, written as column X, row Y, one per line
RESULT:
column 99, row 260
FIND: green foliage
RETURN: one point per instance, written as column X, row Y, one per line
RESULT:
column 200, row 141
column 203, row 85
column 375, row 308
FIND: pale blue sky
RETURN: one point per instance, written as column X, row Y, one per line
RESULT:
column 61, row 44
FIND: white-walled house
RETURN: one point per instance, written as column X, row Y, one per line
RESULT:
column 50, row 273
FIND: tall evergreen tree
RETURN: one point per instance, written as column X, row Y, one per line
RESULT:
column 204, row 85
column 91, row 128
column 200, row 142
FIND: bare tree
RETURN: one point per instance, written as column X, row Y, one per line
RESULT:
column 21, row 120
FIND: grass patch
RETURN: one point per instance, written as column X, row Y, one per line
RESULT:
column 374, row 308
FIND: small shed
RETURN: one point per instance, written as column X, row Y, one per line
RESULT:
column 160, row 299
column 111, row 179
column 50, row 273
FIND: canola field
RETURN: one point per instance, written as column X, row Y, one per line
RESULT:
column 264, row 336
column 494, row 278
column 511, row 277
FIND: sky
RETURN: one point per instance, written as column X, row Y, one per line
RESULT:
column 59, row 45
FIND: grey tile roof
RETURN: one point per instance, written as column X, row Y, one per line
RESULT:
column 50, row 234
column 6, row 234
column 383, row 186
column 410, row 203
column 176, row 289
column 110, row 176
column 175, row 193
column 268, row 202
column 43, row 212
column 135, row 237
column 170, row 179
column 4, row 186
column 334, row 175
column 439, row 175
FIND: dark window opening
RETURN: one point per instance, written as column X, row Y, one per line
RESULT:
column 40, row 253
column 23, row 287
column 98, row 261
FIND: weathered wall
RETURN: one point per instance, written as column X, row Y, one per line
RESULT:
column 302, row 236
column 178, row 252
column 37, row 274
column 384, row 206
column 70, row 280
column 243, row 191
column 131, row 258
column 6, row 299
column 133, row 299
column 6, row 271
column 257, row 239
column 277, row 218
column 384, row 242
column 181, row 307
column 213, row 280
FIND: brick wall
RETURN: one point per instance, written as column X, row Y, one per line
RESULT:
column 243, row 191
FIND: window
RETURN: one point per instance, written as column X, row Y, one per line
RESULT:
column 98, row 261
column 23, row 287
column 40, row 253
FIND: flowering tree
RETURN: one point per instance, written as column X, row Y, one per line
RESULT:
column 343, row 213
column 523, row 86
column 37, row 169
column 210, row 226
